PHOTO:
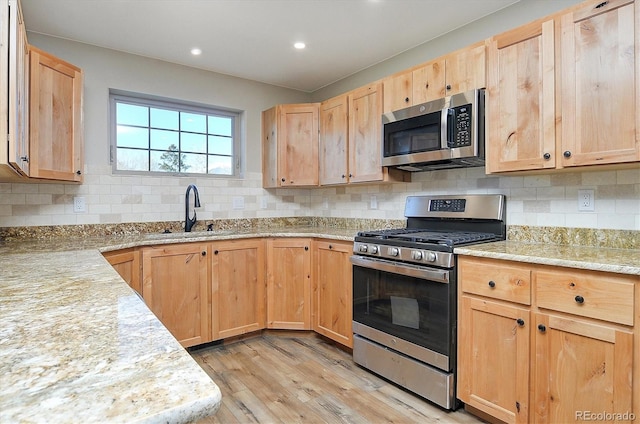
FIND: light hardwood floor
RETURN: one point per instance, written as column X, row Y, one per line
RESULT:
column 300, row 378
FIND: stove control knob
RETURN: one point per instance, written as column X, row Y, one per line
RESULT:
column 394, row 251
column 417, row 255
column 363, row 248
column 431, row 257
column 374, row 250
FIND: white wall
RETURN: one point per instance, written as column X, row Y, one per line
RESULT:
column 544, row 200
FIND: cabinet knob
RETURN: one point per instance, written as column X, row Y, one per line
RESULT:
column 204, row 253
column 567, row 154
column 542, row 328
column 283, row 180
column 546, row 156
column 448, row 86
column 343, row 175
column 492, row 284
column 406, row 100
column 350, row 175
column 306, row 248
column 520, row 322
column 24, row 158
column 579, row 299
column 330, row 246
column 78, row 172
column 215, row 252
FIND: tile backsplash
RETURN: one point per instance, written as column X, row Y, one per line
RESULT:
column 545, row 200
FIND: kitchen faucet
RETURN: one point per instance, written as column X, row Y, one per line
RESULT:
column 190, row 222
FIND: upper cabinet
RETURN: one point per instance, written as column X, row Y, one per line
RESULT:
column 334, row 136
column 457, row 72
column 600, row 83
column 521, row 99
column 565, row 91
column 14, row 91
column 290, row 145
column 41, row 104
column 365, row 125
column 56, row 147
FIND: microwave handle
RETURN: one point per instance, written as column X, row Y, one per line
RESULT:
column 446, row 127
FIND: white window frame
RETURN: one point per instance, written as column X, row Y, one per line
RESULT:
column 117, row 96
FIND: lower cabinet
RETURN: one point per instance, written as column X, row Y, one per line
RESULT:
column 238, row 299
column 175, row 286
column 333, row 291
column 289, row 283
column 560, row 349
column 127, row 263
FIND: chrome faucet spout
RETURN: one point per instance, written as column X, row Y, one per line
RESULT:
column 190, row 222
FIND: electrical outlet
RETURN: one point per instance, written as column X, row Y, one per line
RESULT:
column 373, row 202
column 79, row 204
column 586, row 200
column 238, row 202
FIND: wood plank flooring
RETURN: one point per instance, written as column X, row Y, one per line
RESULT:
column 300, row 378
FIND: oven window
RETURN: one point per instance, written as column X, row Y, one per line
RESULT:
column 413, row 135
column 410, row 308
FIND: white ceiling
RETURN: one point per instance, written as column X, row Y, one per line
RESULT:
column 254, row 39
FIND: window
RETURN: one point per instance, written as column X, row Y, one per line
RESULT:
column 159, row 136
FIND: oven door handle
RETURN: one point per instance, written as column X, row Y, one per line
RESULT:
column 431, row 274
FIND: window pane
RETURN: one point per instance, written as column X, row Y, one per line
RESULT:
column 220, row 145
column 196, row 143
column 132, row 137
column 220, row 125
column 163, row 140
column 193, row 122
column 222, row 165
column 133, row 160
column 132, row 115
column 196, row 163
column 163, row 118
column 167, row 161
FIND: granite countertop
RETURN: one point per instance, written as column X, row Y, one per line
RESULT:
column 77, row 344
column 623, row 261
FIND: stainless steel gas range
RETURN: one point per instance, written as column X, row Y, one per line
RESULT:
column 405, row 290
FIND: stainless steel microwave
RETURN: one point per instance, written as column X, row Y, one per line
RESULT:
column 444, row 133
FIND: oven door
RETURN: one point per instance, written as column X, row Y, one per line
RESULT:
column 408, row 308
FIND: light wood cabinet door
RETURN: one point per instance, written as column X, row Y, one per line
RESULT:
column 429, row 82
column 333, row 291
column 175, row 287
column 290, row 145
column 56, row 139
column 600, row 91
column 465, row 69
column 289, row 284
column 521, row 99
column 365, row 144
column 581, row 367
column 397, row 91
column 493, row 358
column 238, row 303
column 334, row 136
column 127, row 264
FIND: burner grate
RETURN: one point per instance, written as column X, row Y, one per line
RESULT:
column 416, row 235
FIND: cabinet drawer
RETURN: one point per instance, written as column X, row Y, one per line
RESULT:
column 496, row 279
column 599, row 295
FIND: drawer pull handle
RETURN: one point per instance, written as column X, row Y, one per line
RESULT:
column 520, row 322
column 492, row 284
column 579, row 299
column 542, row 328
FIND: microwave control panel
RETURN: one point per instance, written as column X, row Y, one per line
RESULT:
column 460, row 126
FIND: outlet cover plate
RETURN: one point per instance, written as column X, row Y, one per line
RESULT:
column 586, row 200
column 79, row 204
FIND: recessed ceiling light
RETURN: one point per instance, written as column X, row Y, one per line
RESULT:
column 299, row 45
column 196, row 51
